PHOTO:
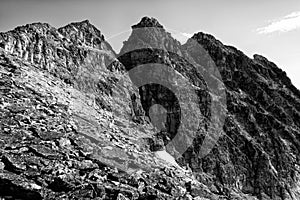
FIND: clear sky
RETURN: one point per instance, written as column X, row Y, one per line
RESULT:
column 267, row 27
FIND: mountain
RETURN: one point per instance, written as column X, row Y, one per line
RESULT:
column 159, row 120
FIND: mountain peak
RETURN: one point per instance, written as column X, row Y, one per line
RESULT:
column 200, row 36
column 82, row 25
column 85, row 22
column 81, row 29
column 148, row 22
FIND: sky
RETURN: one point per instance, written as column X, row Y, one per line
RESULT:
column 267, row 27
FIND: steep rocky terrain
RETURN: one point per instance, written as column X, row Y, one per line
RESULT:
column 74, row 124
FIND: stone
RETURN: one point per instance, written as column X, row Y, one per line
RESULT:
column 2, row 165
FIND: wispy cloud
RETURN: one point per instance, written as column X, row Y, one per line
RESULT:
column 285, row 24
column 189, row 35
column 182, row 37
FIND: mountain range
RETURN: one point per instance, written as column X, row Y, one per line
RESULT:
column 159, row 120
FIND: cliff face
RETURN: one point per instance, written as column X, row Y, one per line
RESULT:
column 79, row 121
column 258, row 152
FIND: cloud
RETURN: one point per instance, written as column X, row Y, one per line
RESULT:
column 287, row 23
column 182, row 37
column 189, row 35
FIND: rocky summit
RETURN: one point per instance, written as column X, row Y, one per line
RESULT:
column 159, row 120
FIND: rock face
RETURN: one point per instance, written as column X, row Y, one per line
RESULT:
column 75, row 124
column 260, row 153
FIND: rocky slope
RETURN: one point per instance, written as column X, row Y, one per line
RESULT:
column 75, row 124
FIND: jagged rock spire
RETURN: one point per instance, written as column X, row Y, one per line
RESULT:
column 148, row 22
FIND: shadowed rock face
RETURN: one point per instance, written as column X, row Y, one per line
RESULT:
column 260, row 151
column 73, row 123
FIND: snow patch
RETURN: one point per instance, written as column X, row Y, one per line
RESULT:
column 167, row 157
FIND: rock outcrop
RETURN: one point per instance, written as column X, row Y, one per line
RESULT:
column 259, row 154
column 74, row 124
